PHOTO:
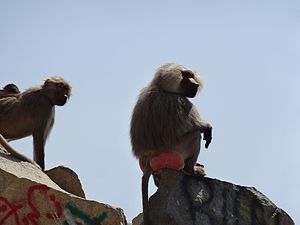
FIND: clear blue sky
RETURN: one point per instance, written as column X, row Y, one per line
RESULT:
column 247, row 52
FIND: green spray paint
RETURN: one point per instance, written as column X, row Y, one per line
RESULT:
column 77, row 213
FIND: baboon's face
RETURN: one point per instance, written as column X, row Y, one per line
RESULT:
column 188, row 84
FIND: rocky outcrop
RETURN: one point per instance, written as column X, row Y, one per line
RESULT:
column 66, row 179
column 29, row 197
column 186, row 200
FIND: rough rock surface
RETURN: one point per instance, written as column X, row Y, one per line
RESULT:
column 66, row 179
column 186, row 200
column 29, row 197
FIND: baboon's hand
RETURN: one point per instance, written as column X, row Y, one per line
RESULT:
column 207, row 136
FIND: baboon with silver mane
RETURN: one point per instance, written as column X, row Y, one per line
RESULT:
column 164, row 120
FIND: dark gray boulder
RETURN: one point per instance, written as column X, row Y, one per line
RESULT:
column 188, row 200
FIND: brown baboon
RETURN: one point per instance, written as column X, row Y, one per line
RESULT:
column 32, row 113
column 9, row 90
column 164, row 120
column 12, row 88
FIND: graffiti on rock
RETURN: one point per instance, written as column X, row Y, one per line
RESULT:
column 41, row 204
column 75, row 216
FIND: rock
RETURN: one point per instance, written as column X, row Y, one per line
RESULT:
column 187, row 200
column 138, row 220
column 66, row 179
column 29, row 197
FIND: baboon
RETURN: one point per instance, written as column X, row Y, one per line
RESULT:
column 9, row 90
column 32, row 113
column 12, row 88
column 164, row 120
